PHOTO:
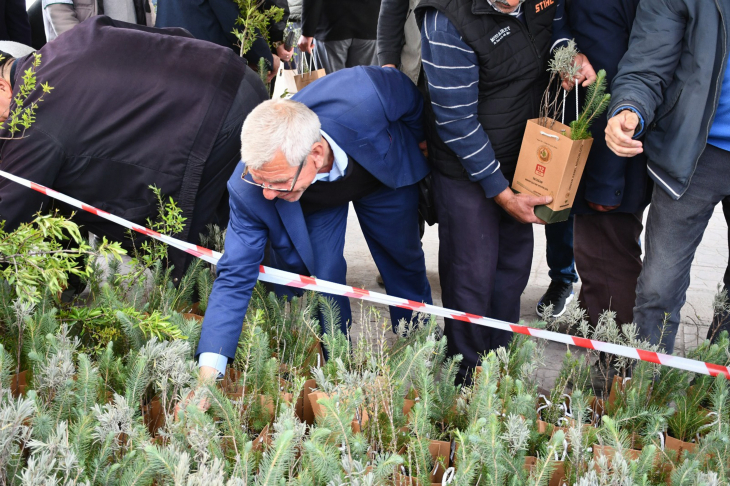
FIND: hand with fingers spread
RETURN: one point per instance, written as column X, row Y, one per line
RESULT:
column 586, row 73
column 521, row 206
column 619, row 134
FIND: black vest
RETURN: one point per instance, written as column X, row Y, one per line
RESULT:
column 513, row 60
column 356, row 184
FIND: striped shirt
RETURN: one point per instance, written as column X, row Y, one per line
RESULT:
column 452, row 71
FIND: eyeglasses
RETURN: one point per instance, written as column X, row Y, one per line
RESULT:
column 269, row 186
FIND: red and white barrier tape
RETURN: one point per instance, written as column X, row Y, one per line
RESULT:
column 275, row 276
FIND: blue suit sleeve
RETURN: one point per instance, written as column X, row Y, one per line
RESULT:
column 238, row 271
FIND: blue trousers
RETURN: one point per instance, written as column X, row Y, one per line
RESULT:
column 674, row 229
column 389, row 221
column 559, row 251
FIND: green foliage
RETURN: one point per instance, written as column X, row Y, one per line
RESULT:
column 22, row 115
column 98, row 368
column 170, row 221
column 254, row 22
column 36, row 257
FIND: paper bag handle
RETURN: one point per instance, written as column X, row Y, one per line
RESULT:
column 565, row 94
column 549, row 135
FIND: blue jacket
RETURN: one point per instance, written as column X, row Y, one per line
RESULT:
column 602, row 30
column 672, row 75
column 374, row 115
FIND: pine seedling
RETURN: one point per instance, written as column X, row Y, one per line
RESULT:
column 595, row 104
column 545, row 466
column 321, row 455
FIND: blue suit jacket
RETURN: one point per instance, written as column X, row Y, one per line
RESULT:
column 374, row 115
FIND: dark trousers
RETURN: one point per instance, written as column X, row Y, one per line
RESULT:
column 674, row 229
column 211, row 202
column 484, row 264
column 608, row 257
column 559, row 251
column 389, row 221
column 721, row 321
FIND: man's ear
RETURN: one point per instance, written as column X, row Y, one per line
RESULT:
column 6, row 91
column 318, row 155
column 6, row 96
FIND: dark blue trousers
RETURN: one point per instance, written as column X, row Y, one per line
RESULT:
column 389, row 221
column 485, row 257
column 559, row 251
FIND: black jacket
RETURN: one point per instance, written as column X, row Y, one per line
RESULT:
column 602, row 31
column 14, row 25
column 513, row 60
column 131, row 106
column 214, row 21
column 340, row 19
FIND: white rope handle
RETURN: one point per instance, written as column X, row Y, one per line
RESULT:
column 448, row 476
column 314, row 58
column 304, row 62
column 549, row 135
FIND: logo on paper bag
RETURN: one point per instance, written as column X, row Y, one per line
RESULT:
column 540, row 170
column 544, row 154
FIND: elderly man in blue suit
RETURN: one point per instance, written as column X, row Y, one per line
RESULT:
column 352, row 136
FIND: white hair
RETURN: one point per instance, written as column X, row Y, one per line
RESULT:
column 275, row 125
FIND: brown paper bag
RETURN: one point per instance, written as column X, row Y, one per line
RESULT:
column 313, row 73
column 551, row 164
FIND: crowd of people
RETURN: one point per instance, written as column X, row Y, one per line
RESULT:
column 421, row 115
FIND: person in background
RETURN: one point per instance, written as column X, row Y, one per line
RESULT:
column 614, row 191
column 14, row 25
column 674, row 90
column 485, row 65
column 399, row 40
column 345, row 32
column 305, row 160
column 214, row 21
column 60, row 16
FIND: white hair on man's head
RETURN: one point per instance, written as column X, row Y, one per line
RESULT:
column 279, row 124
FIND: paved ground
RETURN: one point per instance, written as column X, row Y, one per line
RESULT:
column 707, row 271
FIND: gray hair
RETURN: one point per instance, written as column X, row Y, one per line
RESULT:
column 275, row 125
